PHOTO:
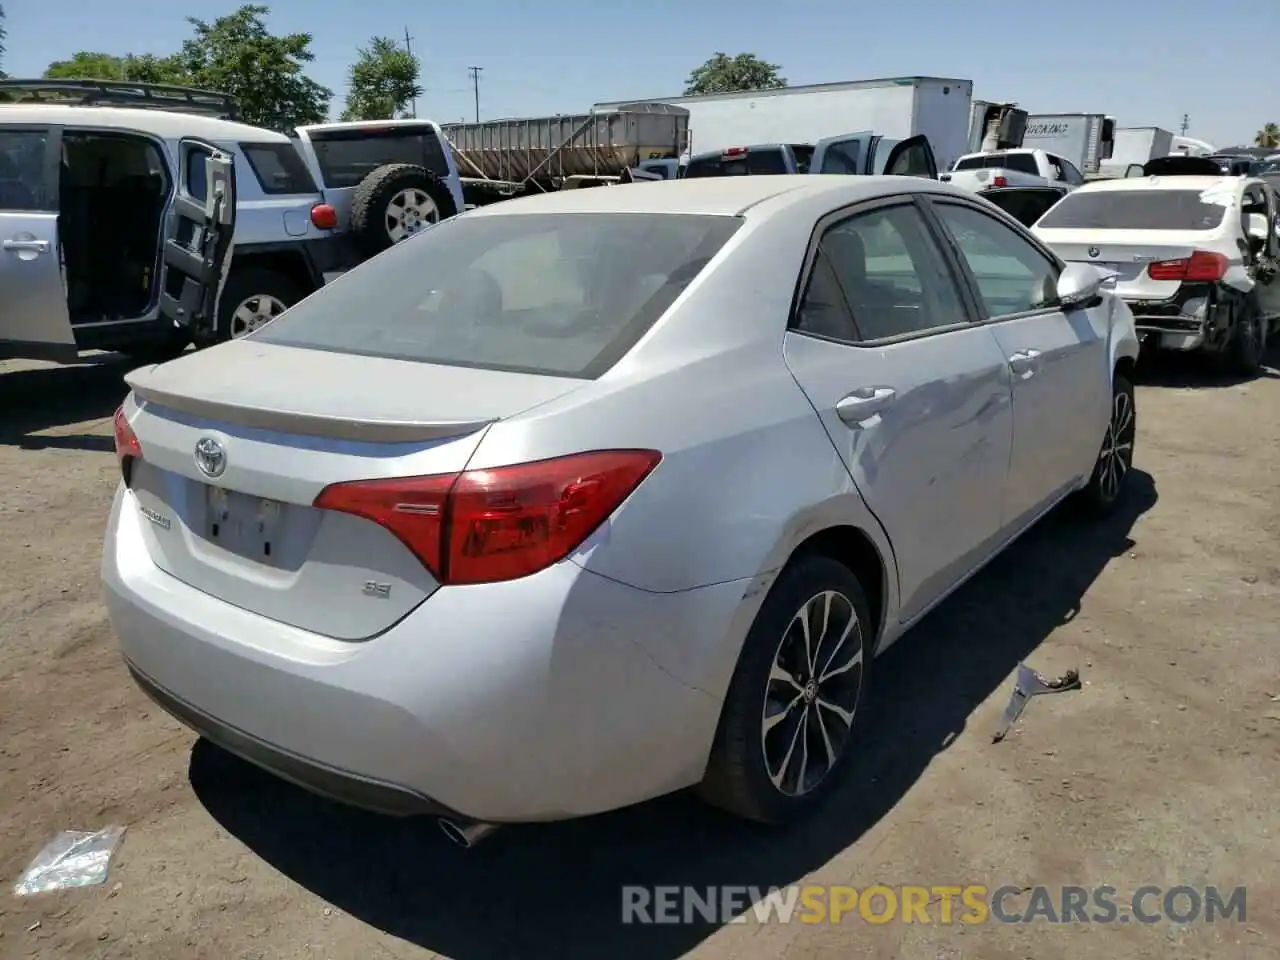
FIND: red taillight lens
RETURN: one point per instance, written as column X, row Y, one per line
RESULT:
column 1202, row 266
column 128, row 449
column 487, row 525
column 324, row 216
column 999, row 181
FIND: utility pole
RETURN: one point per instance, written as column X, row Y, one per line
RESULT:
column 408, row 46
column 475, row 87
column 1186, row 122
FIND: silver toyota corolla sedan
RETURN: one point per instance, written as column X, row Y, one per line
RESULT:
column 577, row 500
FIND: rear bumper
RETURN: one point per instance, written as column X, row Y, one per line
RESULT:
column 1184, row 322
column 522, row 701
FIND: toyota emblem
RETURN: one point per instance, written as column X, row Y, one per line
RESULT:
column 1094, row 251
column 210, row 457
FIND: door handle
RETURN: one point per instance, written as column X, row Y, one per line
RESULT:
column 864, row 403
column 35, row 246
column 1025, row 362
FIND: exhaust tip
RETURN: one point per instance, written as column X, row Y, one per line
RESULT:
column 465, row 834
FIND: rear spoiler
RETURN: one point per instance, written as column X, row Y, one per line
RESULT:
column 292, row 421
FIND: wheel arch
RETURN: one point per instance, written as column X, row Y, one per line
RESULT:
column 290, row 263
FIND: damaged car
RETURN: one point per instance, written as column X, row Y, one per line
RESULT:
column 1193, row 253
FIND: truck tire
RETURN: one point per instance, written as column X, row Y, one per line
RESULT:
column 253, row 295
column 396, row 201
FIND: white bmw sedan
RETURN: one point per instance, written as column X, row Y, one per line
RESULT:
column 576, row 500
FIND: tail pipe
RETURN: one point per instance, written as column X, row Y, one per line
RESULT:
column 466, row 833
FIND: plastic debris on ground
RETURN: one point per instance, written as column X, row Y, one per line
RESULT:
column 1031, row 684
column 71, row 859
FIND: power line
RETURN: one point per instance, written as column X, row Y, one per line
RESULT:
column 408, row 49
column 1186, row 123
column 475, row 87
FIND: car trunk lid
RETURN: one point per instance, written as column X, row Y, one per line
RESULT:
column 238, row 442
column 1127, row 254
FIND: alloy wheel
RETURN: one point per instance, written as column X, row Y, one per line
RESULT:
column 254, row 312
column 812, row 693
column 410, row 211
column 1116, row 457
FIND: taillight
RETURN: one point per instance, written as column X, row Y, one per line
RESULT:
column 324, row 216
column 128, row 449
column 481, row 526
column 999, row 181
column 733, row 153
column 1202, row 266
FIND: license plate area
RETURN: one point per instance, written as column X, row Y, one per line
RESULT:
column 242, row 524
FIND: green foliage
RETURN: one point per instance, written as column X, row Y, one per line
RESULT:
column 383, row 81
column 237, row 55
column 726, row 74
column 91, row 65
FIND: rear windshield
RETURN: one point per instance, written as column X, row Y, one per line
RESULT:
column 1021, row 162
column 756, row 162
column 1134, row 210
column 278, row 168
column 558, row 294
column 348, row 156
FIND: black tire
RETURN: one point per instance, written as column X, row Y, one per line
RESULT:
column 371, row 203
column 1246, row 342
column 738, row 778
column 248, row 283
column 1110, row 477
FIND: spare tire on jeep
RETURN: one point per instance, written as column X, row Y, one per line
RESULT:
column 396, row 201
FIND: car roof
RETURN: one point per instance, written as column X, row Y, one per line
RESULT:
column 1161, row 183
column 715, row 196
column 167, row 124
column 368, row 125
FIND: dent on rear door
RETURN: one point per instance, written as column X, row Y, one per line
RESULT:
column 930, row 457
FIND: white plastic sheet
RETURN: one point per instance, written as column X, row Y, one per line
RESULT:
column 71, row 859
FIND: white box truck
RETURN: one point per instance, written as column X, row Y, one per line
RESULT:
column 895, row 108
column 1086, row 139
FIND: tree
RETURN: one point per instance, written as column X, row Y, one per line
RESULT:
column 383, row 81
column 237, row 55
column 726, row 74
column 91, row 65
column 1268, row 136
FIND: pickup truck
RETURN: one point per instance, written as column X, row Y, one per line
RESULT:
column 1013, row 168
column 851, row 153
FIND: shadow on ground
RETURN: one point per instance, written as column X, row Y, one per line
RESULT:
column 1193, row 371
column 48, row 398
column 555, row 890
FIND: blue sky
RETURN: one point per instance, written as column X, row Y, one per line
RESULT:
column 1142, row 62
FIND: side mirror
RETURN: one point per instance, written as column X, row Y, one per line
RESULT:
column 1255, row 226
column 1080, row 283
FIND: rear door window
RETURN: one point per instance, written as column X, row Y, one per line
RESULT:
column 348, row 156
column 554, row 294
column 760, row 161
column 1021, row 162
column 23, row 171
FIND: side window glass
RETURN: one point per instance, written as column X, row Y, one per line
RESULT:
column 841, row 157
column 1012, row 276
column 823, row 311
column 1059, row 173
column 197, row 176
column 22, row 173
column 893, row 276
column 1070, row 173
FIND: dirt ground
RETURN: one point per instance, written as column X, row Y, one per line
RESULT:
column 1162, row 770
